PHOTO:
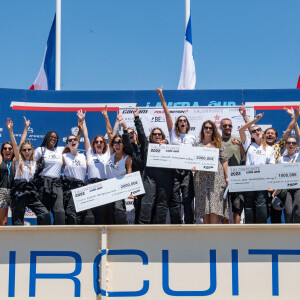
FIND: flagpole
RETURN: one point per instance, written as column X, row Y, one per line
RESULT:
column 58, row 46
column 187, row 11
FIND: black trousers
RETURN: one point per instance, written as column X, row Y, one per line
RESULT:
column 85, row 217
column 184, row 185
column 50, row 192
column 24, row 195
column 292, row 206
column 255, row 206
column 158, row 184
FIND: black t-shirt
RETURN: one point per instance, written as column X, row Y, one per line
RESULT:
column 5, row 180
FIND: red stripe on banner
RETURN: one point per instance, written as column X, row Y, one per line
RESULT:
column 32, row 87
column 274, row 107
column 36, row 108
column 298, row 85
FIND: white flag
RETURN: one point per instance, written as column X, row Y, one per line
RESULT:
column 187, row 79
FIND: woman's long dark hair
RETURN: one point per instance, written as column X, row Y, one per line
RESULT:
column 45, row 141
column 216, row 139
column 5, row 143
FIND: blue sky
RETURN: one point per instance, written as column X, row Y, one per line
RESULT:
column 138, row 44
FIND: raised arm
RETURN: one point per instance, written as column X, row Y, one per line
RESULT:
column 165, row 107
column 108, row 126
column 293, row 123
column 81, row 118
column 243, row 113
column 246, row 126
column 117, row 123
column 9, row 125
column 24, row 135
column 140, row 129
column 126, row 140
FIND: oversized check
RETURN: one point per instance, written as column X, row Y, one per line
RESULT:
column 183, row 157
column 107, row 191
column 261, row 177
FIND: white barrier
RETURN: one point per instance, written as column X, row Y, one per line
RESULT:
column 150, row 262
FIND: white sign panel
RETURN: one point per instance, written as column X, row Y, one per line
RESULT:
column 107, row 191
column 261, row 177
column 183, row 157
column 155, row 117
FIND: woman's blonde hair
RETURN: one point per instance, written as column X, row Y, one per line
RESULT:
column 22, row 158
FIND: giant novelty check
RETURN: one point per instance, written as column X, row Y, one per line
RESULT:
column 107, row 191
column 183, row 157
column 261, row 177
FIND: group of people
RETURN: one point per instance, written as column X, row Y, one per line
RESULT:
column 42, row 179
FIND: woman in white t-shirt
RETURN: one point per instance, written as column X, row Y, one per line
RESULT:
column 292, row 201
column 257, row 153
column 48, row 181
column 183, row 179
column 75, row 167
column 98, row 154
column 23, row 190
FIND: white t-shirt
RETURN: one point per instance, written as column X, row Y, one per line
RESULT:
column 187, row 138
column 289, row 159
column 257, row 155
column 75, row 166
column 97, row 163
column 29, row 168
column 115, row 169
column 53, row 161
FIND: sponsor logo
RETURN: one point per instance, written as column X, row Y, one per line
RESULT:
column 130, row 111
column 158, row 119
column 74, row 130
column 179, row 111
column 222, row 103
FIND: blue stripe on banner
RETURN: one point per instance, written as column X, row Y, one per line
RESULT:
column 188, row 33
column 49, row 65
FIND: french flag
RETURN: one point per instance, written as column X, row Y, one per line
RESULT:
column 46, row 77
column 187, row 79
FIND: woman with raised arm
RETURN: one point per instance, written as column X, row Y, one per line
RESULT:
column 210, row 186
column 257, row 153
column 134, row 148
column 98, row 154
column 74, row 166
column 47, row 179
column 23, row 191
column 183, row 179
column 119, row 164
column 157, row 182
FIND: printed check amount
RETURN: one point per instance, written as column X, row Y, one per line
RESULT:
column 107, row 191
column 183, row 157
column 261, row 177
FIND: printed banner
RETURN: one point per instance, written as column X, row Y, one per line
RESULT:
column 107, row 191
column 261, row 177
column 155, row 117
column 183, row 157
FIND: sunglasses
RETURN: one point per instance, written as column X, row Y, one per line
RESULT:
column 131, row 132
column 227, row 125
column 117, row 142
column 26, row 150
column 7, row 148
column 72, row 140
column 208, row 128
column 182, row 120
column 291, row 143
column 156, row 134
column 99, row 142
column 258, row 130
